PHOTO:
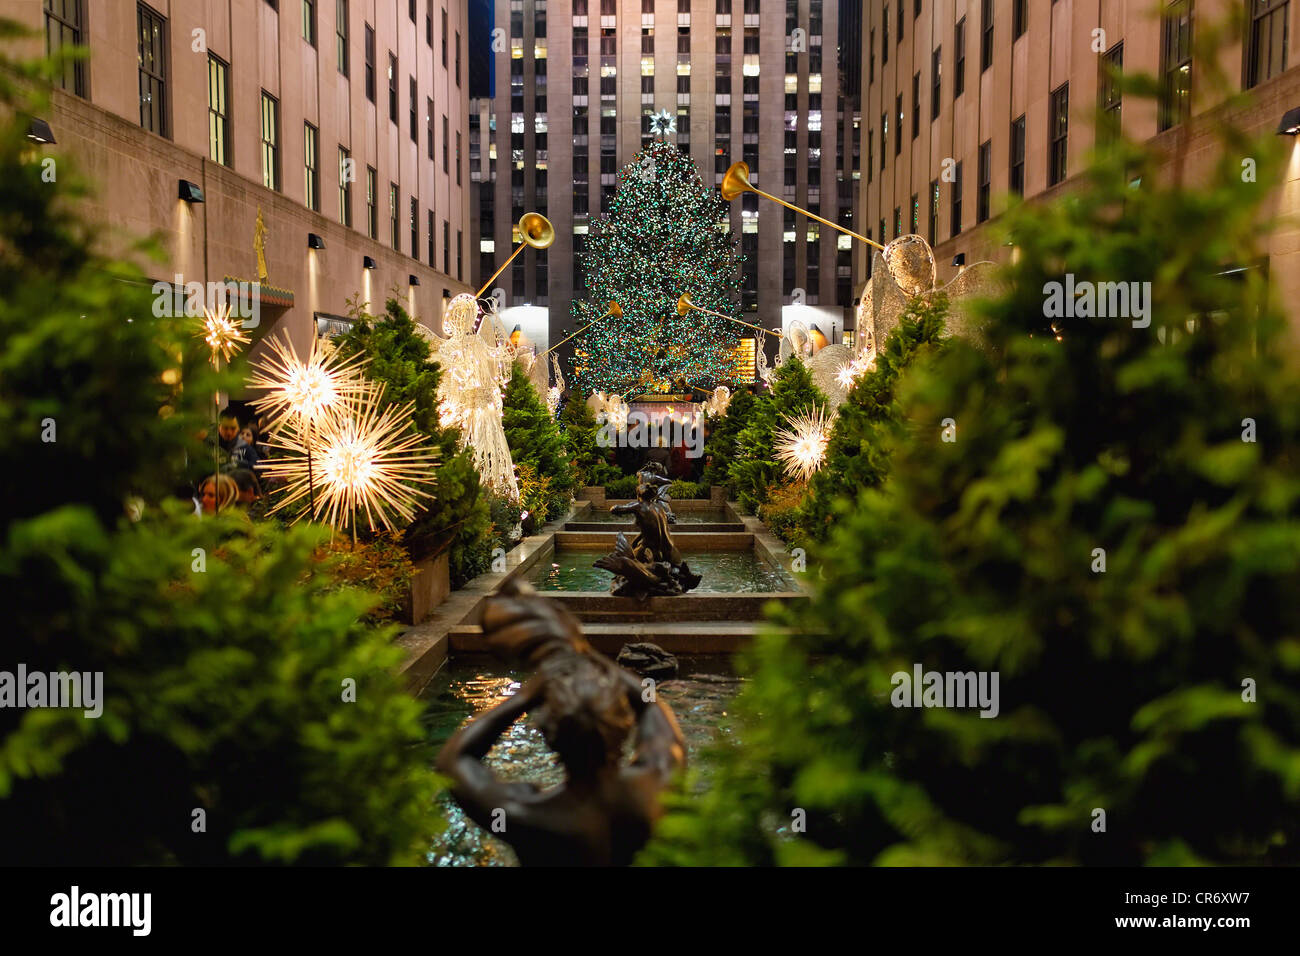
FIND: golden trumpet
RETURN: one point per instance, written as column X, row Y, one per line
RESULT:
column 736, row 181
column 534, row 230
column 684, row 305
column 613, row 309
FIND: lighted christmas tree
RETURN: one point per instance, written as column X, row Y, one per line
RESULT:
column 659, row 240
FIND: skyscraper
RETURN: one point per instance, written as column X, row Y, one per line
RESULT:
column 576, row 87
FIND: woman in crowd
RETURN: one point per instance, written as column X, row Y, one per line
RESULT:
column 217, row 493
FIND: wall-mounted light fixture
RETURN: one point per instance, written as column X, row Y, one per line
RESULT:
column 367, row 262
column 38, row 131
column 190, row 192
column 1290, row 125
column 314, row 241
column 413, row 280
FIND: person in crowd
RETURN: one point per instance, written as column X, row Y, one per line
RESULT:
column 250, row 497
column 217, row 492
column 227, row 431
column 245, row 454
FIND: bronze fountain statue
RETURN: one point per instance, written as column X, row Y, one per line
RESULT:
column 587, row 708
column 651, row 565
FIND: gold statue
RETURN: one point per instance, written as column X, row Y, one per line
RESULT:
column 259, row 244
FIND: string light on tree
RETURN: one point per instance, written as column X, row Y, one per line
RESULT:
column 801, row 445
column 660, row 236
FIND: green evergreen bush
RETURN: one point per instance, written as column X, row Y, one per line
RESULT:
column 754, row 467
column 537, row 445
column 720, row 445
column 862, row 437
column 1161, row 690
column 223, row 645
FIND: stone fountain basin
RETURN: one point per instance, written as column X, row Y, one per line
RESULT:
column 585, row 517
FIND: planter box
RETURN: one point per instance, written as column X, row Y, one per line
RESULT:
column 429, row 587
column 596, row 494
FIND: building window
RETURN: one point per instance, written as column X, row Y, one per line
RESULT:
column 311, row 166
column 986, row 35
column 346, row 175
column 898, row 111
column 934, row 212
column 1059, row 118
column 871, row 58
column 901, row 22
column 916, row 214
column 152, row 31
column 1109, row 97
column 415, row 228
column 393, row 238
column 460, row 255
column 444, row 38
column 309, row 21
column 1176, row 65
column 1019, row 18
column 445, row 151
column 432, row 258
column 341, row 36
column 392, row 88
column 218, row 111
column 446, row 247
column 936, row 73
column 63, row 30
column 916, row 104
column 372, row 203
column 884, row 34
column 1266, row 46
column 884, row 139
column 370, row 63
column 270, row 141
column 1018, row 156
column 458, row 164
column 955, row 203
column 985, row 184
column 959, row 59
column 458, row 63
column 414, row 113
column 898, row 221
column 428, row 125
column 410, row 10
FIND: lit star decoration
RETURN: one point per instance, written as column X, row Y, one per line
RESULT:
column 368, row 462
column 660, row 236
column 304, row 392
column 663, row 123
column 801, row 446
column 223, row 336
column 848, row 375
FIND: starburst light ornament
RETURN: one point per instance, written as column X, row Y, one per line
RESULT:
column 365, row 463
column 801, row 446
column 222, row 336
column 307, row 392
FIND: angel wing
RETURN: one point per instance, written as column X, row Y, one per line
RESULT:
column 796, row 341
column 976, row 281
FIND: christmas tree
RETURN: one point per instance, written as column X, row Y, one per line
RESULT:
column 659, row 240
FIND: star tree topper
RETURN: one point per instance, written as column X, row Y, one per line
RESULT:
column 663, row 123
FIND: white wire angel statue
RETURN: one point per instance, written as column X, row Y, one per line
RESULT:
column 474, row 372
